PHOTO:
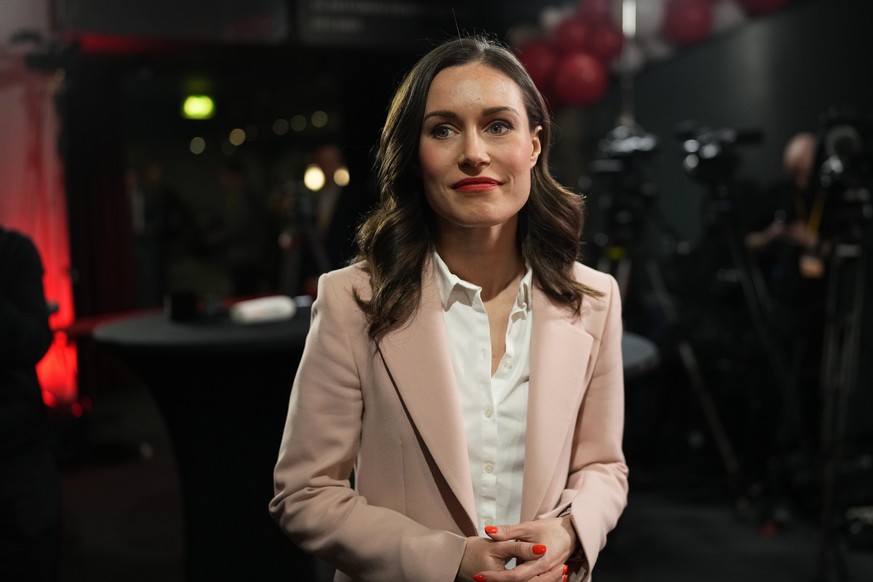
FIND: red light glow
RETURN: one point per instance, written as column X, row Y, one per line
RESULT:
column 33, row 202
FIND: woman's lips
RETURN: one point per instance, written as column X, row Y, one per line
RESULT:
column 475, row 184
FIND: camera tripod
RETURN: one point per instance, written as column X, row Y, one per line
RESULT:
column 723, row 215
column 687, row 355
column 626, row 248
column 842, row 337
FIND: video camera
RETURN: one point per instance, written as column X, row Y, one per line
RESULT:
column 625, row 146
column 844, row 171
column 621, row 169
column 710, row 154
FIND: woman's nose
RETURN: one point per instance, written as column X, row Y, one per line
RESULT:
column 474, row 152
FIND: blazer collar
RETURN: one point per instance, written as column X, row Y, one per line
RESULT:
column 560, row 349
column 419, row 362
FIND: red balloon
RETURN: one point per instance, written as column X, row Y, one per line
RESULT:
column 606, row 41
column 572, row 35
column 761, row 6
column 594, row 11
column 687, row 21
column 540, row 60
column 580, row 79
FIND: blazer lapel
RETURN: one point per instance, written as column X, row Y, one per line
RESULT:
column 418, row 360
column 560, row 348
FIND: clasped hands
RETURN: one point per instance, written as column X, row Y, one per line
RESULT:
column 540, row 547
column 795, row 233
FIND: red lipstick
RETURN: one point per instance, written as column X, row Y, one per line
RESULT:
column 479, row 184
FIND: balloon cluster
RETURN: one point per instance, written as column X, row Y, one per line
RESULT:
column 575, row 48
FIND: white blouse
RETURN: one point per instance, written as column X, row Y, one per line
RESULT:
column 494, row 408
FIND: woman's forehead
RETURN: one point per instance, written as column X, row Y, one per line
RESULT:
column 474, row 83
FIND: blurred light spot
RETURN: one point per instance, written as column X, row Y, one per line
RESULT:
column 319, row 119
column 341, row 177
column 298, row 123
column 237, row 137
column 198, row 107
column 313, row 178
column 280, row 126
column 197, row 145
column 601, row 239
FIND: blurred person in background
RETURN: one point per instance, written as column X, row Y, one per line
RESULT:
column 236, row 234
column 320, row 215
column 30, row 495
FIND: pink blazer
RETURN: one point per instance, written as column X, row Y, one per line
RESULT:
column 390, row 413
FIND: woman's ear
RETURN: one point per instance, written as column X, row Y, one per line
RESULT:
column 536, row 145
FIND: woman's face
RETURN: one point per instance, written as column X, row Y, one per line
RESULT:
column 476, row 148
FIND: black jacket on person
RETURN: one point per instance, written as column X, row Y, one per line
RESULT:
column 31, row 514
column 25, row 337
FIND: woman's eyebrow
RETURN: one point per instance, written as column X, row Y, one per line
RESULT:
column 445, row 114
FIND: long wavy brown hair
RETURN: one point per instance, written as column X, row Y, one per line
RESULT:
column 396, row 239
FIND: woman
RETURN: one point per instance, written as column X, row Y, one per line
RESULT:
column 466, row 368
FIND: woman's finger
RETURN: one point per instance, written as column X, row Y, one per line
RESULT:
column 529, row 562
column 556, row 574
column 505, row 532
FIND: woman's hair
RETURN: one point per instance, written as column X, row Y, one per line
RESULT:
column 396, row 239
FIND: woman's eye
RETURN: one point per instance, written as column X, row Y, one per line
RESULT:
column 499, row 127
column 441, row 131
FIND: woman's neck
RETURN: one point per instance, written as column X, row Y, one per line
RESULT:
column 487, row 259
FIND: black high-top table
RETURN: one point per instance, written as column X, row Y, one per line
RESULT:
column 222, row 389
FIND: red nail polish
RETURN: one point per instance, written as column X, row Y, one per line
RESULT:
column 490, row 529
column 479, row 578
column 539, row 549
column 566, row 567
column 564, row 578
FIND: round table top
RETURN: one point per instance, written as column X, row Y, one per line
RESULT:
column 214, row 334
column 217, row 333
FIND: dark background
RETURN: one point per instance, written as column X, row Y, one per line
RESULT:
column 126, row 75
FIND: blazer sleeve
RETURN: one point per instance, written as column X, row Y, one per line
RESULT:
column 597, row 483
column 314, row 502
